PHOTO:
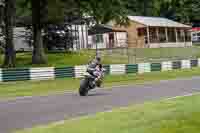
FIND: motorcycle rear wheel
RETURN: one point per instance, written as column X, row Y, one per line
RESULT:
column 83, row 90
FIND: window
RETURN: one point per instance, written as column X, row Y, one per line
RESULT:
column 162, row 35
column 152, row 35
column 180, row 34
column 98, row 38
column 142, row 32
column 171, row 35
column 187, row 36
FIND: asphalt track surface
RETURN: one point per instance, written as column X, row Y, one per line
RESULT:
column 33, row 111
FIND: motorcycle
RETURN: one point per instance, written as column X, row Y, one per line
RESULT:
column 90, row 82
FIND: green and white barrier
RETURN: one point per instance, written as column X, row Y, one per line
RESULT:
column 132, row 68
column 194, row 63
column 166, row 66
column 185, row 64
column 80, row 71
column 199, row 62
column 1, row 75
column 42, row 73
column 15, row 74
column 156, row 67
column 144, row 68
column 64, row 72
column 118, row 69
column 176, row 65
column 46, row 73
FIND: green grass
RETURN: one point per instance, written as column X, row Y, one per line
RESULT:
column 64, row 59
column 117, row 56
column 167, row 52
column 33, row 88
column 197, row 44
column 157, row 54
column 180, row 115
column 54, row 59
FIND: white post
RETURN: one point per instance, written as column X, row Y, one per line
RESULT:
column 157, row 33
column 191, row 38
column 184, row 37
column 175, row 30
column 148, row 37
column 166, row 34
column 116, row 41
column 86, row 31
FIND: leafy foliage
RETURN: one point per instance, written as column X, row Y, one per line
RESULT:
column 186, row 11
column 104, row 10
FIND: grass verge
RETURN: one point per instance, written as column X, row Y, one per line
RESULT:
column 35, row 88
column 65, row 59
column 173, row 116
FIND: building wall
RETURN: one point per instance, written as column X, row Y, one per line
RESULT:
column 102, row 45
column 196, row 36
column 20, row 43
column 120, row 40
column 133, row 40
column 83, row 36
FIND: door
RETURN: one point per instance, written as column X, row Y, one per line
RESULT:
column 111, row 40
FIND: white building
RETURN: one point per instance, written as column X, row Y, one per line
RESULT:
column 155, row 32
column 20, row 42
column 106, row 37
column 80, row 32
column 195, row 34
column 82, row 40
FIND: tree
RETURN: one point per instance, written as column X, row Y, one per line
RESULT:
column 38, row 14
column 188, row 11
column 43, row 12
column 10, row 55
column 103, row 10
column 185, row 11
column 2, row 34
column 142, row 7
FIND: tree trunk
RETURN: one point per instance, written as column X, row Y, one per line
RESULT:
column 2, row 26
column 38, row 49
column 1, row 13
column 10, row 55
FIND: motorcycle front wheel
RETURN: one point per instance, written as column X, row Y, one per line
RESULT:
column 83, row 90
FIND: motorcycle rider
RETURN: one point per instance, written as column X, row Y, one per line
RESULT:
column 92, row 67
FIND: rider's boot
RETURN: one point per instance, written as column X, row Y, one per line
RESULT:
column 98, row 83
